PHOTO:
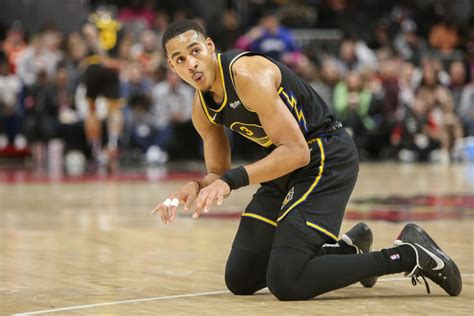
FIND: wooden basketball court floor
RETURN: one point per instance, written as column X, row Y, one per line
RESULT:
column 91, row 247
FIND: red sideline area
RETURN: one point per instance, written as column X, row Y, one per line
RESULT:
column 391, row 215
column 152, row 175
column 12, row 151
column 388, row 208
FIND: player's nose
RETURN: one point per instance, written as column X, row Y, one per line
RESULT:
column 191, row 63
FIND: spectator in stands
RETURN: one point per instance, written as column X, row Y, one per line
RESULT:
column 134, row 82
column 406, row 84
column 382, row 43
column 408, row 44
column 351, row 105
column 70, row 127
column 75, row 51
column 444, row 37
column 14, row 44
column 458, row 76
column 38, row 58
column 147, row 53
column 268, row 37
column 10, row 87
column 417, row 136
column 384, row 108
column 171, row 109
column 135, row 90
column 466, row 109
column 439, row 105
column 41, row 117
column 329, row 76
column 354, row 55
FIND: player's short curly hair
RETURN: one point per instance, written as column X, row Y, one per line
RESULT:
column 179, row 27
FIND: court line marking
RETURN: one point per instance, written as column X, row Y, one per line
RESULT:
column 169, row 297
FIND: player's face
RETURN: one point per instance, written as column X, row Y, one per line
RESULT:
column 192, row 57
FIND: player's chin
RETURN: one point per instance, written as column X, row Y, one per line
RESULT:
column 203, row 87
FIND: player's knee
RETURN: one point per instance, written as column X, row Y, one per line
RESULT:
column 237, row 284
column 284, row 275
column 281, row 283
column 242, row 274
column 239, row 281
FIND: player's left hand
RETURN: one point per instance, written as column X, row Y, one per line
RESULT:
column 217, row 190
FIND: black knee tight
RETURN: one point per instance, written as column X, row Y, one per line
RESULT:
column 295, row 275
column 245, row 272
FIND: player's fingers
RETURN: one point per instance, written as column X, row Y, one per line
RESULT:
column 173, row 206
column 187, row 202
column 209, row 201
column 165, row 210
column 197, row 212
column 220, row 199
column 200, row 202
column 156, row 209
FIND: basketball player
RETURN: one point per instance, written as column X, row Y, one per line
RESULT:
column 287, row 238
column 101, row 77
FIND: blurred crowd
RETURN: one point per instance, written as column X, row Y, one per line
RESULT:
column 398, row 76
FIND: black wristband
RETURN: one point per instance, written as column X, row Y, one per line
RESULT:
column 236, row 178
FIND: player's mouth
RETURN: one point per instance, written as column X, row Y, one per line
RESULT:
column 198, row 77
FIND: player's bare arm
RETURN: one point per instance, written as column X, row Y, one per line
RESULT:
column 257, row 81
column 217, row 157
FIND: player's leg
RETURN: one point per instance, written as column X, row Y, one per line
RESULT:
column 299, row 266
column 298, row 274
column 312, row 219
column 114, row 130
column 299, row 269
column 357, row 240
column 92, row 125
column 246, row 267
column 115, row 120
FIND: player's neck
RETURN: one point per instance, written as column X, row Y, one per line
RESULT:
column 217, row 89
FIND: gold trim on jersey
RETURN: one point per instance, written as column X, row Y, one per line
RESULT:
column 232, row 77
column 321, row 230
column 261, row 218
column 224, row 102
column 311, row 188
column 204, row 107
column 262, row 141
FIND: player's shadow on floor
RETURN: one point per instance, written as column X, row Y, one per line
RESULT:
column 357, row 296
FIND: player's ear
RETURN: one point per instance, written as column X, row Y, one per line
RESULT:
column 170, row 64
column 210, row 45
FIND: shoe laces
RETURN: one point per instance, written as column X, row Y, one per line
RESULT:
column 415, row 280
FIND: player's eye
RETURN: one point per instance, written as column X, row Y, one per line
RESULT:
column 179, row 60
column 196, row 51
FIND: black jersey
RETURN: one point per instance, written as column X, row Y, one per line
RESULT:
column 309, row 110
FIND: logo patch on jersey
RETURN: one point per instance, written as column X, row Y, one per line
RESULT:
column 288, row 197
column 234, row 104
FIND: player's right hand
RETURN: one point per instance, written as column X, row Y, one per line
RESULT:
column 187, row 195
